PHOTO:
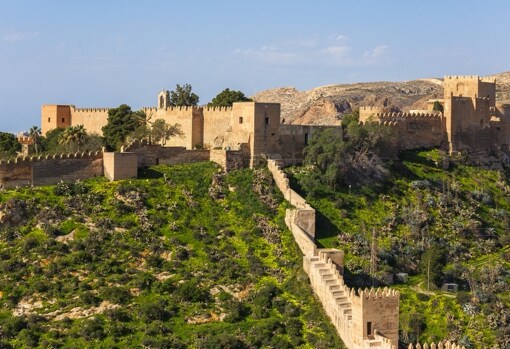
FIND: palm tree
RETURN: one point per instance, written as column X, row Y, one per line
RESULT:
column 73, row 135
column 35, row 134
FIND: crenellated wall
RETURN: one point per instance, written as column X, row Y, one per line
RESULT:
column 51, row 169
column 93, row 119
column 347, row 309
column 440, row 345
column 364, row 319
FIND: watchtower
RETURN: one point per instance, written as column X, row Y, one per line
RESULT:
column 55, row 116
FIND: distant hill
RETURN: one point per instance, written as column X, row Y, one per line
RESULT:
column 327, row 104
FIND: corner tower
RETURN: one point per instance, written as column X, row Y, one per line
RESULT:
column 55, row 116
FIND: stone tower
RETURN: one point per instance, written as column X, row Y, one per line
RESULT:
column 469, row 105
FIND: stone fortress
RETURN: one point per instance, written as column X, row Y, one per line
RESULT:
column 252, row 127
column 247, row 132
column 471, row 120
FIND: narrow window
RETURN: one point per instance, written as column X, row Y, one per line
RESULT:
column 369, row 328
column 49, row 119
column 306, row 138
column 240, row 119
column 267, row 120
column 63, row 120
column 481, row 122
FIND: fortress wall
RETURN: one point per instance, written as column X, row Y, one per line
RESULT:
column 50, row 169
column 92, row 118
column 185, row 117
column 229, row 160
column 216, row 124
column 15, row 173
column 415, row 130
column 155, row 154
column 68, row 168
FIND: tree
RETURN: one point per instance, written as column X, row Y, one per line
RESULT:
column 437, row 106
column 351, row 157
column 227, row 97
column 9, row 145
column 122, row 121
column 74, row 136
column 182, row 96
column 161, row 131
column 35, row 134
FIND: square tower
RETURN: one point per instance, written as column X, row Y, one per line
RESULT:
column 55, row 116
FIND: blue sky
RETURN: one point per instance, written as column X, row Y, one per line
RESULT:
column 105, row 53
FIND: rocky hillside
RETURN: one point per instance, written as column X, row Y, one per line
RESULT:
column 327, row 104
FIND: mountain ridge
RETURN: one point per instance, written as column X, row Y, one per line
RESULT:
column 325, row 105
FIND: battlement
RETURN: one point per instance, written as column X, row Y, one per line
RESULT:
column 372, row 108
column 440, row 345
column 89, row 110
column 375, row 294
column 25, row 139
column 488, row 79
column 172, row 108
column 37, row 158
column 214, row 108
column 401, row 115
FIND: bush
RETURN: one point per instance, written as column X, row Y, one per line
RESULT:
column 191, row 291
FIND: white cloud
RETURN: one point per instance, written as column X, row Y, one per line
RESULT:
column 338, row 51
column 14, row 37
column 330, row 51
column 377, row 54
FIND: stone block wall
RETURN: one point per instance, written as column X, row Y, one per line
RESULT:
column 50, row 169
column 118, row 166
column 67, row 168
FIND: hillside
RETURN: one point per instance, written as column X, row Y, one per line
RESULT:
column 440, row 222
column 326, row 104
column 185, row 257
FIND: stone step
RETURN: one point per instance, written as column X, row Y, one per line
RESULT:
column 331, row 282
column 337, row 293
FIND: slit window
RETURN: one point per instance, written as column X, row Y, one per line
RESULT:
column 267, row 120
column 49, row 119
column 369, row 328
column 240, row 119
column 63, row 119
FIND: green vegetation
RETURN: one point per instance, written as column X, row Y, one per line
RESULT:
column 440, row 221
column 184, row 257
column 352, row 157
column 122, row 121
column 227, row 97
column 182, row 96
column 9, row 145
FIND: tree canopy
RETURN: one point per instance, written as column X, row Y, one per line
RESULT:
column 227, row 97
column 9, row 145
column 351, row 157
column 74, row 135
column 183, row 96
column 122, row 121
